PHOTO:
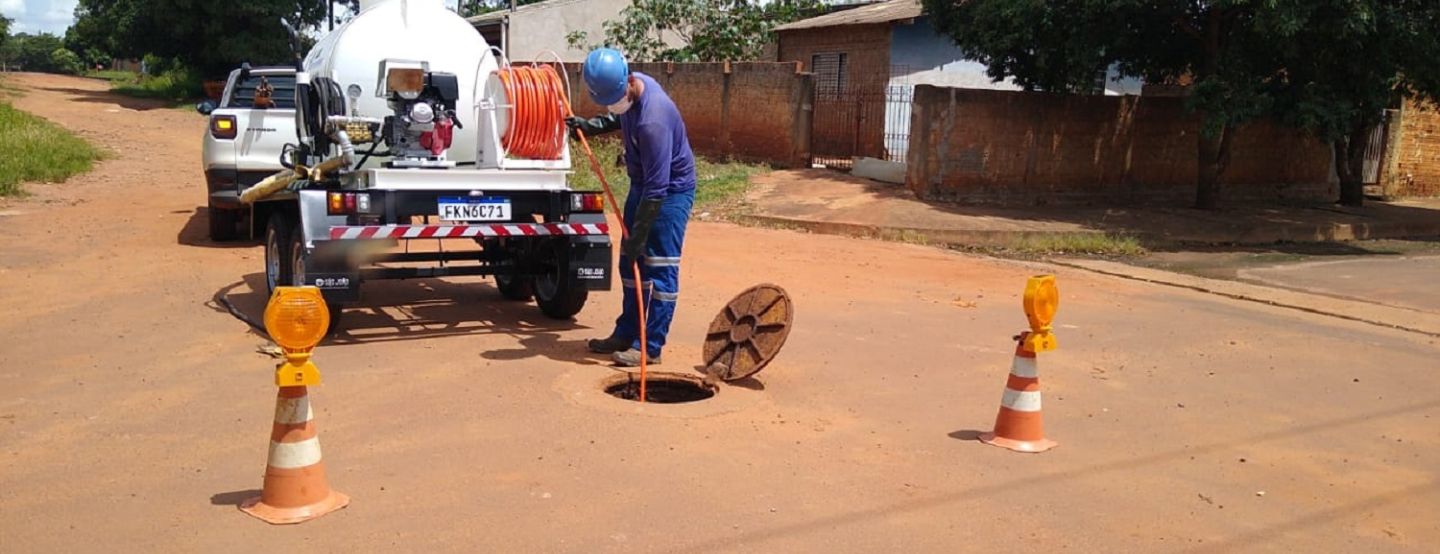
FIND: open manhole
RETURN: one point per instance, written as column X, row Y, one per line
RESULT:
column 660, row 388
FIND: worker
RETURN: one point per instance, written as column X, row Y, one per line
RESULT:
column 661, row 168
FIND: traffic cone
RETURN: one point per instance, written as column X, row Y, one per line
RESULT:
column 1019, row 425
column 295, row 489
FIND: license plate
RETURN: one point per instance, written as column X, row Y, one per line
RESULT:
column 474, row 208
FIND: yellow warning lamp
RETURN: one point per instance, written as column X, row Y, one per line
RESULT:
column 1041, row 300
column 296, row 319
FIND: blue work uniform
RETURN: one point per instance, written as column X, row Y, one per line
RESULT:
column 661, row 166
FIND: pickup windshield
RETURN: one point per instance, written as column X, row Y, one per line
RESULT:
column 283, row 96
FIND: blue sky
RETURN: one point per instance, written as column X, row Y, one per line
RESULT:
column 36, row 16
column 50, row 16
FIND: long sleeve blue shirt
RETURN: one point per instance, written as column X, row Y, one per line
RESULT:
column 657, row 153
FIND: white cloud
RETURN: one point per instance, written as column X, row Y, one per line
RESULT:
column 39, row 16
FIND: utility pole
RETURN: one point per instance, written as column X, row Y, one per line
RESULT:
column 330, row 13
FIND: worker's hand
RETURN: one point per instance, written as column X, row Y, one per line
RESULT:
column 633, row 246
column 592, row 127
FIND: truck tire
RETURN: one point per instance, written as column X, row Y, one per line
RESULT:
column 297, row 260
column 519, row 288
column 557, row 293
column 278, row 261
column 224, row 223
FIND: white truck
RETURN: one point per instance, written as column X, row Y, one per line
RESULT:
column 409, row 128
column 244, row 140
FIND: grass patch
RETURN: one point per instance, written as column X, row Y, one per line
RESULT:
column 176, row 85
column 1073, row 244
column 718, row 182
column 115, row 77
column 37, row 150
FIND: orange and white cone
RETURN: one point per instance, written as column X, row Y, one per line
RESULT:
column 295, row 488
column 1019, row 425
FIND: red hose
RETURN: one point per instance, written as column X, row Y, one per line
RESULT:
column 539, row 106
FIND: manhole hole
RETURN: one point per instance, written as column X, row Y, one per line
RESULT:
column 660, row 388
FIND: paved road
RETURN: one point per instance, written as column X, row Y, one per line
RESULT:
column 1405, row 282
column 135, row 413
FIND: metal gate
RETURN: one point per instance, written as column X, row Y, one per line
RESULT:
column 856, row 118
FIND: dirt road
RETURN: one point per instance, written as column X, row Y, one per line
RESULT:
column 135, row 414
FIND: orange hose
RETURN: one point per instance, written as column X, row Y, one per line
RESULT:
column 539, row 106
column 536, row 129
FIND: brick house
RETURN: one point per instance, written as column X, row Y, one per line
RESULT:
column 867, row 60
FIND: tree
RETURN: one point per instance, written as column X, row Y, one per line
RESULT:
column 65, row 61
column 1224, row 49
column 212, row 37
column 32, row 52
column 469, row 8
column 707, row 30
column 1353, row 60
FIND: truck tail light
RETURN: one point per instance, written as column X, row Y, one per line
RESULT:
column 222, row 126
column 344, row 203
column 587, row 203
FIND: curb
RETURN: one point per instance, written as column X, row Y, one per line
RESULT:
column 1413, row 321
column 944, row 237
column 997, row 238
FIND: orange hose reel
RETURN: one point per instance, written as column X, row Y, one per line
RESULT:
column 536, row 95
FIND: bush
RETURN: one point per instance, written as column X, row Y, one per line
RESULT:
column 178, row 84
column 65, row 61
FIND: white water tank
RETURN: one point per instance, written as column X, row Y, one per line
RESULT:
column 412, row 30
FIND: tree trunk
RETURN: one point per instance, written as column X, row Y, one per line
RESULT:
column 1213, row 156
column 1350, row 165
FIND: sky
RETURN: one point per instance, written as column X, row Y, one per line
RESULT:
column 51, row 16
column 39, row 16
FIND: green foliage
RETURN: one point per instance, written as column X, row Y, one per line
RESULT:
column 706, row 30
column 211, row 37
column 65, row 61
column 469, row 8
column 37, row 150
column 178, row 84
column 44, row 53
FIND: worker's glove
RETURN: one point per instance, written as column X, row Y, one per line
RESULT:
column 645, row 215
column 592, row 127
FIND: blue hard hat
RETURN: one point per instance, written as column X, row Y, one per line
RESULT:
column 606, row 75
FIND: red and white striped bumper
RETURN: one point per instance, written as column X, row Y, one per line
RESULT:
column 468, row 231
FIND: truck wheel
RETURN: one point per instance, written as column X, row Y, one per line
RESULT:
column 223, row 224
column 556, row 292
column 297, row 261
column 519, row 288
column 278, row 242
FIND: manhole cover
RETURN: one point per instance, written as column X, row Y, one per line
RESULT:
column 660, row 388
column 748, row 333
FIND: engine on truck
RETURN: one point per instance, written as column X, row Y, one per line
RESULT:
column 423, row 123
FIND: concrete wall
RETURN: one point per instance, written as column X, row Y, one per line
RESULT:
column 538, row 28
column 1412, row 161
column 756, row 111
column 1035, row 148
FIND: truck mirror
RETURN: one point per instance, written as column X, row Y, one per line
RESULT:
column 205, row 107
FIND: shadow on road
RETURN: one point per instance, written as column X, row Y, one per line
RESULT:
column 107, row 97
column 417, row 309
column 196, row 232
column 233, row 498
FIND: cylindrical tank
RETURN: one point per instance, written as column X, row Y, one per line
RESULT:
column 411, row 30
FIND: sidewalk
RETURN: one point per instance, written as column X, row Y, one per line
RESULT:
column 830, row 202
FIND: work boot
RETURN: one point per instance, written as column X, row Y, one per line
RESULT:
column 608, row 345
column 631, row 358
